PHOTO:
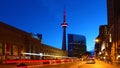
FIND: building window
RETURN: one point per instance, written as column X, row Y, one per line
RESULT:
column 22, row 50
column 110, row 38
column 7, row 49
column 15, row 50
column 0, row 48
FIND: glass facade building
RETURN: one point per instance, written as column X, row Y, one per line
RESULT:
column 76, row 45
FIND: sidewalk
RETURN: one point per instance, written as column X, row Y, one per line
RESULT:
column 111, row 63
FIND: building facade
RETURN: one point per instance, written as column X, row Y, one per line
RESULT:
column 114, row 29
column 15, row 43
column 76, row 45
column 101, row 45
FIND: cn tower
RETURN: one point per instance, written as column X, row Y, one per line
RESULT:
column 64, row 25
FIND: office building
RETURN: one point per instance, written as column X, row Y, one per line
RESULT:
column 76, row 45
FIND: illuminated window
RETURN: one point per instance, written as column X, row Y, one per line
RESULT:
column 7, row 49
column 110, row 38
column 15, row 50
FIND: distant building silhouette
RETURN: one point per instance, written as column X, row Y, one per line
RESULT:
column 36, row 36
column 76, row 45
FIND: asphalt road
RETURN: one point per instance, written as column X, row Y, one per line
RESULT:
column 78, row 64
column 98, row 64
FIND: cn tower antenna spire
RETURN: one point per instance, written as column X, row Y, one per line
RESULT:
column 64, row 15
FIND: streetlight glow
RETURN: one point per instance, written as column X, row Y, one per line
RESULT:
column 97, row 40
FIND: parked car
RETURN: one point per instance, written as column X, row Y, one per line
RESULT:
column 90, row 61
column 21, row 65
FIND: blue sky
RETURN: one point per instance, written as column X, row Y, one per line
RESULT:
column 45, row 17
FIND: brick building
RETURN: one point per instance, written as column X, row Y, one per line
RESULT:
column 15, row 42
column 113, row 7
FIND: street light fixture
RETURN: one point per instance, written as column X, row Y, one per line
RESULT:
column 96, row 40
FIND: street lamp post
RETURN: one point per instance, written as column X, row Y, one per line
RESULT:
column 97, row 48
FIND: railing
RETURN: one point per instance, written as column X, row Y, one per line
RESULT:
column 41, row 61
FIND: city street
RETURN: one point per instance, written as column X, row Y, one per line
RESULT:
column 60, row 34
column 98, row 64
column 78, row 64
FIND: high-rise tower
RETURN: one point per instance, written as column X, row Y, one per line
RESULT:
column 64, row 25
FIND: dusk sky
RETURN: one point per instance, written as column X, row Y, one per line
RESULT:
column 45, row 17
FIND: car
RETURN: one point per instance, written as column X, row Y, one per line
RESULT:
column 21, row 65
column 90, row 61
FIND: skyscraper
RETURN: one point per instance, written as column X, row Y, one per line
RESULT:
column 64, row 25
column 76, row 45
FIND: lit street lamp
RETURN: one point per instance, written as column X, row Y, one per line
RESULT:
column 96, row 40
